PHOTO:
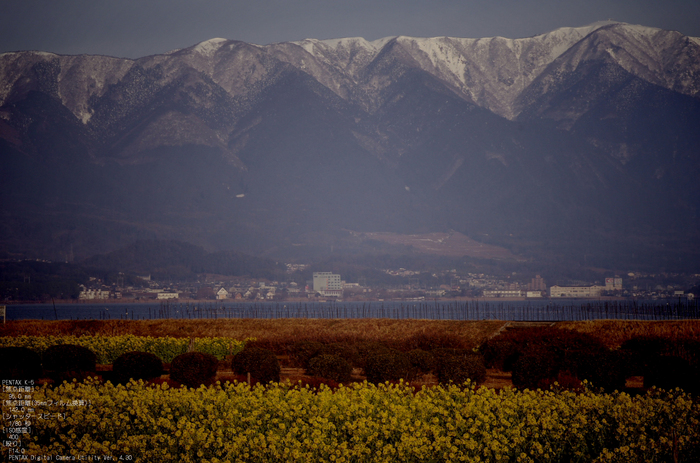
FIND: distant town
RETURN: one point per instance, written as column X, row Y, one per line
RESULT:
column 325, row 286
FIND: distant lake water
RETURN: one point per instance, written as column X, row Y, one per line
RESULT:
column 535, row 310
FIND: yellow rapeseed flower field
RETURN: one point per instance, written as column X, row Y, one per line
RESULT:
column 360, row 422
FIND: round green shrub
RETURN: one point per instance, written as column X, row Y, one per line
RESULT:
column 193, row 368
column 303, row 351
column 423, row 361
column 607, row 369
column 500, row 353
column 368, row 349
column 65, row 362
column 670, row 372
column 262, row 364
column 641, row 349
column 389, row 365
column 460, row 367
column 342, row 350
column 19, row 363
column 331, row 367
column 534, row 367
column 136, row 365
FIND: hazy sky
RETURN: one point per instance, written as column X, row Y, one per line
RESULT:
column 134, row 28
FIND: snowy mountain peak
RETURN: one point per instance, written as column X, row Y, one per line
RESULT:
column 315, row 46
column 357, row 42
column 209, row 47
column 491, row 72
column 43, row 54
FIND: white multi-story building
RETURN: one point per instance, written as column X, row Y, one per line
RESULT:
column 93, row 294
column 576, row 291
column 328, row 284
column 503, row 293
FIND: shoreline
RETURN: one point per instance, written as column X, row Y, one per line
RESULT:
column 304, row 300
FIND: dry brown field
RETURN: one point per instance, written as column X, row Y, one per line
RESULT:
column 615, row 332
column 283, row 331
column 271, row 332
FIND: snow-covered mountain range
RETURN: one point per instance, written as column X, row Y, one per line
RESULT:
column 552, row 137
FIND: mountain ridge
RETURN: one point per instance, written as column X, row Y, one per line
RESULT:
column 554, row 44
column 521, row 143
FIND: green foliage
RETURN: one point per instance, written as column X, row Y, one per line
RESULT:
column 606, row 369
column 331, row 367
column 669, row 372
column 303, row 351
column 262, row 364
column 388, row 365
column 19, row 363
column 345, row 351
column 500, row 353
column 193, row 368
column 68, row 361
column 537, row 357
column 108, row 348
column 218, row 347
column 643, row 349
column 534, row 367
column 459, row 365
column 423, row 362
column 538, row 367
column 368, row 349
column 136, row 365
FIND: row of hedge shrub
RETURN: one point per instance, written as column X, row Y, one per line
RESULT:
column 381, row 362
column 194, row 368
column 65, row 362
column 69, row 361
column 108, row 348
column 538, row 357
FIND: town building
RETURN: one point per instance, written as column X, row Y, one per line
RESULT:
column 89, row 294
column 576, row 291
column 613, row 284
column 537, row 284
column 328, row 284
column 503, row 293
